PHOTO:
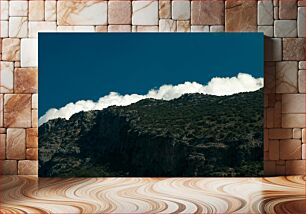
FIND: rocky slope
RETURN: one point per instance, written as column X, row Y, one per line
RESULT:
column 194, row 135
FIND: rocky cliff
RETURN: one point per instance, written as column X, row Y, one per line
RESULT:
column 194, row 135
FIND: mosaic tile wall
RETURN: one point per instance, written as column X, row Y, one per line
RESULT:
column 282, row 21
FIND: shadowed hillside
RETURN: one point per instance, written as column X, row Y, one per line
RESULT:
column 194, row 135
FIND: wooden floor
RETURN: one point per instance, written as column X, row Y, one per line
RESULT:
column 139, row 195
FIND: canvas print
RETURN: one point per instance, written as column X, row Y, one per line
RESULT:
column 149, row 104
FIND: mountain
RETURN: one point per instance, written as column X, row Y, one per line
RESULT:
column 193, row 135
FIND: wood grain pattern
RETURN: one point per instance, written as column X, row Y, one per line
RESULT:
column 30, row 194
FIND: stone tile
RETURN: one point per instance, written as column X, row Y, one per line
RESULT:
column 119, row 12
column 50, row 10
column 38, row 26
column 301, row 83
column 274, row 150
column 32, row 138
column 295, row 167
column 240, row 15
column 27, row 167
column 267, row 30
column 18, row 8
column 302, row 65
column 266, row 140
column 90, row 12
column 303, row 151
column 269, row 77
column 265, row 12
column 6, row 77
column 1, row 110
column 32, row 154
column 145, row 13
column 286, row 77
column 285, row 28
column 183, row 26
column 301, row 3
column 119, row 28
column 275, row 3
column 293, row 120
column 36, row 10
column 293, row 103
column 165, row 9
column 17, row 64
column 280, row 133
column 4, row 10
column 180, row 10
column 8, row 167
column 167, row 25
column 273, row 49
column 270, row 118
column 34, row 101
column 301, row 21
column 2, row 146
column 199, row 28
column 216, row 28
column 75, row 29
column 26, row 80
column 4, row 29
column 15, row 143
column 11, row 49
column 277, row 114
column 269, row 168
column 34, row 118
column 17, row 110
column 290, row 149
column 207, row 12
column 293, row 49
column 304, row 135
column 101, row 28
column 29, row 53
column 275, row 13
column 2, row 130
column 18, row 27
column 147, row 28
column 297, row 133
column 287, row 9
column 280, row 170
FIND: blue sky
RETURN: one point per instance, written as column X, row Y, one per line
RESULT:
column 87, row 66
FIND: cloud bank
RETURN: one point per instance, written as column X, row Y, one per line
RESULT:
column 219, row 86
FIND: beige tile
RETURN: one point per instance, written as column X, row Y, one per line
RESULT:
column 274, row 150
column 285, row 28
column 32, row 138
column 34, row 118
column 165, row 9
column 180, row 10
column 8, row 167
column 301, row 81
column 18, row 27
column 167, row 25
column 15, row 144
column 27, row 167
column 297, row 133
column 101, row 28
column 26, row 80
column 90, row 12
column 280, row 133
column 11, row 49
column 295, row 167
column 50, row 10
column 6, row 77
column 207, row 12
column 199, row 28
column 183, row 26
column 304, row 135
column 293, row 120
column 265, row 12
column 147, row 28
column 293, row 49
column 18, row 8
column 17, row 110
column 4, row 29
column 287, row 9
column 145, row 13
column 41, row 26
column 119, row 28
column 2, row 146
column 269, row 168
column 286, row 77
column 119, row 12
column 32, row 154
column 273, row 49
column 34, row 101
column 293, row 103
column 1, row 110
column 36, row 10
column 303, row 151
column 4, row 10
column 239, row 15
column 290, row 149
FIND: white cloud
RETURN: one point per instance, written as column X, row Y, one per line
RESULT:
column 219, row 86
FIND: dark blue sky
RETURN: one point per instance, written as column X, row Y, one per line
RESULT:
column 82, row 66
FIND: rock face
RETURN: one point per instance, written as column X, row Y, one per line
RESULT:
column 194, row 135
